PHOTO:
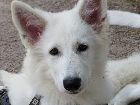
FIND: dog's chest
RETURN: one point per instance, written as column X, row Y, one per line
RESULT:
column 58, row 102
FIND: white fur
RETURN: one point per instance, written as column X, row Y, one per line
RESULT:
column 123, row 18
column 43, row 74
column 125, row 75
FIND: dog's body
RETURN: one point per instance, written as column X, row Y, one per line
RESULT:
column 65, row 49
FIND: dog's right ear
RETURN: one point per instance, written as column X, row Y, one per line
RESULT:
column 29, row 24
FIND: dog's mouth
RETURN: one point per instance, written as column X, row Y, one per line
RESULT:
column 74, row 92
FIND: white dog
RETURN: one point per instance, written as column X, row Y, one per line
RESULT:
column 66, row 59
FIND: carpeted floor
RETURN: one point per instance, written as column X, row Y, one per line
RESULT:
column 124, row 40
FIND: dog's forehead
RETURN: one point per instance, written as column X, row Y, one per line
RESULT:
column 65, row 29
column 67, row 25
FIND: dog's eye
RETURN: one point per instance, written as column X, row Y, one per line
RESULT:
column 54, row 51
column 82, row 47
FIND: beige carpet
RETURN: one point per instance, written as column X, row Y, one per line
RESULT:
column 124, row 40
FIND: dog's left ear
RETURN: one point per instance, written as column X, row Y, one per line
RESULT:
column 93, row 12
column 29, row 24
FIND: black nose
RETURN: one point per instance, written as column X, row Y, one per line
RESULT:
column 72, row 84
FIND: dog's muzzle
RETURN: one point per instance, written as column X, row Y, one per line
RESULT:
column 72, row 84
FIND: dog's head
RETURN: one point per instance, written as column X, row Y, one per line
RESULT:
column 66, row 49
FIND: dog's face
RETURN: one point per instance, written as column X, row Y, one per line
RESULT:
column 67, row 50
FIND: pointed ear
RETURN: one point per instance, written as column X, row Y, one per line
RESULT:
column 91, row 11
column 29, row 24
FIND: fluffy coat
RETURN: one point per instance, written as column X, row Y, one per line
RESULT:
column 43, row 73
